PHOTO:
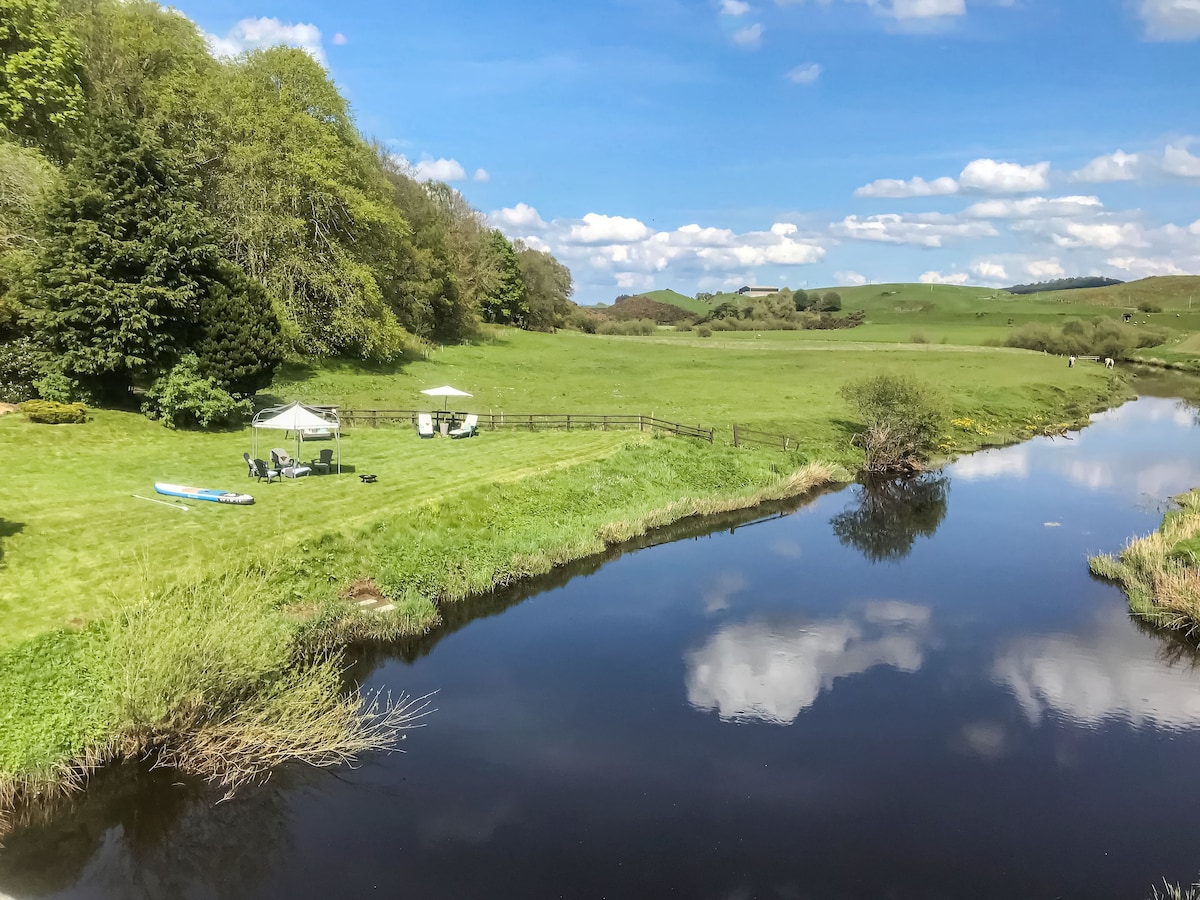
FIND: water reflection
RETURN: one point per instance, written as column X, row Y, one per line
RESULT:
column 888, row 515
column 1108, row 671
column 141, row 833
column 770, row 672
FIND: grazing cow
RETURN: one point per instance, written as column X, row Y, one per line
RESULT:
column 1070, row 362
column 1108, row 363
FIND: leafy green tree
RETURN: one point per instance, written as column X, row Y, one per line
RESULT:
column 506, row 303
column 831, row 301
column 239, row 347
column 548, row 288
column 800, row 300
column 127, row 265
column 310, row 212
column 25, row 177
column 41, row 93
column 902, row 418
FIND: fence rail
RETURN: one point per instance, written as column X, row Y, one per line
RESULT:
column 530, row 421
column 743, row 435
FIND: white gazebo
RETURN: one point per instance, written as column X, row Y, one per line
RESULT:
column 301, row 419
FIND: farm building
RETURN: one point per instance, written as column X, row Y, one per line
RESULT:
column 748, row 291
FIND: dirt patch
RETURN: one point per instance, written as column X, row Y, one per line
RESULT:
column 366, row 595
column 7, row 408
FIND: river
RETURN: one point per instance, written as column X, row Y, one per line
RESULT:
column 893, row 693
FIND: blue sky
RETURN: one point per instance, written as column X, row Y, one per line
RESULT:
column 704, row 144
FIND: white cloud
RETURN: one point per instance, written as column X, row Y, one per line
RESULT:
column 805, row 74
column 1045, row 269
column 1112, row 672
column 750, row 37
column 734, row 7
column 1119, row 166
column 928, row 9
column 482, row 175
column 1178, row 161
column 755, row 672
column 340, row 39
column 447, row 170
column 600, row 229
column 1102, row 235
column 939, row 278
column 994, row 177
column 634, row 281
column 252, row 34
column 895, row 188
column 849, row 278
column 989, row 271
column 1033, row 208
column 1011, row 462
column 1171, row 20
column 925, row 230
column 1141, row 267
column 517, row 217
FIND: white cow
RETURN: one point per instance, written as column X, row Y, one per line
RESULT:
column 1108, row 362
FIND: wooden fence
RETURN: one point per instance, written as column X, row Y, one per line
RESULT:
column 743, row 435
column 530, row 421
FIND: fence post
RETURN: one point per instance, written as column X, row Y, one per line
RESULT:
column 641, row 422
column 735, row 436
column 531, row 421
column 785, row 443
column 604, row 423
column 374, row 418
column 568, row 421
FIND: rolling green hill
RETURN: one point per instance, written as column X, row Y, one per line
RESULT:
column 691, row 304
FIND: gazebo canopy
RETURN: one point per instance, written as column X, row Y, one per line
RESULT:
column 301, row 419
column 295, row 417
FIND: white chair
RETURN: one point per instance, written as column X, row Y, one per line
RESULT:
column 469, row 427
column 425, row 425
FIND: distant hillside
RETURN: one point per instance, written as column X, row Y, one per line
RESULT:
column 1063, row 284
column 691, row 304
column 1171, row 292
column 643, row 307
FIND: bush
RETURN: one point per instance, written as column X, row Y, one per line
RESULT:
column 583, row 321
column 902, row 418
column 1093, row 337
column 640, row 327
column 20, row 366
column 183, row 399
column 684, row 326
column 918, row 337
column 1147, row 307
column 704, row 331
column 50, row 412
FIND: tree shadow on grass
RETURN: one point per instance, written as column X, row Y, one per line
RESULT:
column 7, row 530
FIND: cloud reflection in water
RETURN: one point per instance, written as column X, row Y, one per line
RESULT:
column 1112, row 672
column 760, row 672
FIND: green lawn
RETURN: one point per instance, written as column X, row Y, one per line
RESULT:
column 76, row 542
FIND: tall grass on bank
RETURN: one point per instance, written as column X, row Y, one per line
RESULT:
column 1161, row 572
column 230, row 675
column 205, row 676
column 1175, row 892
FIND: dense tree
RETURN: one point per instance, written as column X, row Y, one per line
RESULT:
column 127, row 265
column 41, row 94
column 25, row 177
column 800, row 300
column 548, row 288
column 506, row 302
column 238, row 345
column 831, row 301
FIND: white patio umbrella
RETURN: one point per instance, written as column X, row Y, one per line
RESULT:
column 446, row 392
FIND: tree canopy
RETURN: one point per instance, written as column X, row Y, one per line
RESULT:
column 182, row 184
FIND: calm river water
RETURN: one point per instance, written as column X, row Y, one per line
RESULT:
column 910, row 692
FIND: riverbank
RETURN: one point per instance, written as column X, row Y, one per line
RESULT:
column 1160, row 573
column 230, row 675
column 214, row 636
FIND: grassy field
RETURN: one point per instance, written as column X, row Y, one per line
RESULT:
column 194, row 627
column 953, row 314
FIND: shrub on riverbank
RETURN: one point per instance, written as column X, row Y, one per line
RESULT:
column 902, row 418
column 1161, row 572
